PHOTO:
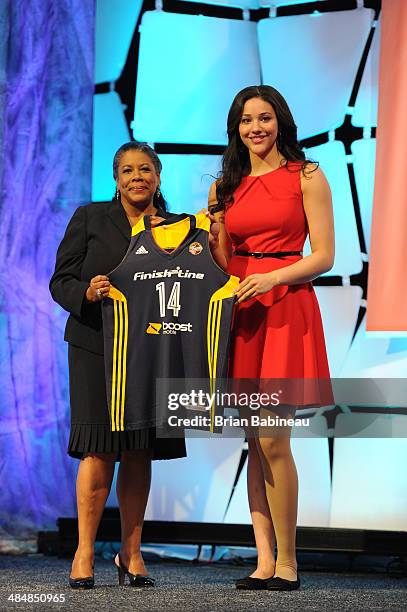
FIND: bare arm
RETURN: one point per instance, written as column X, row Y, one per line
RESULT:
column 317, row 202
column 221, row 245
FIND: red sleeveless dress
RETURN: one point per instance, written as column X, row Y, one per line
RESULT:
column 278, row 334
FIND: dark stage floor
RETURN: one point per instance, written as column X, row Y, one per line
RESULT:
column 185, row 586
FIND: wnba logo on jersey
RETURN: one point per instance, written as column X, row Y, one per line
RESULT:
column 195, row 248
column 168, row 328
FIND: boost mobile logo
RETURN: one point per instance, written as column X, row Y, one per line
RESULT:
column 153, row 328
column 168, row 328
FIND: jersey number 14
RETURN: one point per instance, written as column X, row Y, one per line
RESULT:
column 173, row 300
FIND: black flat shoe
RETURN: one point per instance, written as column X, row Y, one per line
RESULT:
column 281, row 584
column 252, row 584
column 136, row 580
column 82, row 583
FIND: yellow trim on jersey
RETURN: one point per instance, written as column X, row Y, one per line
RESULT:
column 124, row 367
column 213, row 331
column 139, row 227
column 202, row 222
column 227, row 290
column 115, row 294
column 113, row 396
column 119, row 368
column 173, row 235
column 119, row 358
column 217, row 312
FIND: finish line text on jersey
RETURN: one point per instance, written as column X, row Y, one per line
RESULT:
column 168, row 274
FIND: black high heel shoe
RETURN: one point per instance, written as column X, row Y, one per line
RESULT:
column 82, row 583
column 136, row 580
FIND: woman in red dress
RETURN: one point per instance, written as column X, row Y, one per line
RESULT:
column 266, row 201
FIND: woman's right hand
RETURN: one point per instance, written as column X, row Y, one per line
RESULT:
column 214, row 229
column 98, row 288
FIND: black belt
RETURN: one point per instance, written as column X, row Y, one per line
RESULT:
column 260, row 255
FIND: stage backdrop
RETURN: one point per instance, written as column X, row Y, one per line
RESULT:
column 46, row 89
column 170, row 81
column 387, row 313
column 168, row 77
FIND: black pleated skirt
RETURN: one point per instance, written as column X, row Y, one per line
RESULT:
column 90, row 424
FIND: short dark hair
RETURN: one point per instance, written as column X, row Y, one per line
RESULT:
column 134, row 145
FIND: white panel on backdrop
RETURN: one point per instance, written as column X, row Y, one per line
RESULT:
column 251, row 4
column 315, row 72
column 115, row 25
column 364, row 159
column 368, row 424
column 375, row 357
column 243, row 4
column 190, row 68
column 332, row 160
column 238, row 511
column 365, row 111
column 285, row 2
column 371, row 472
column 314, row 496
column 198, row 487
column 314, row 492
column 185, row 180
column 339, row 310
column 109, row 133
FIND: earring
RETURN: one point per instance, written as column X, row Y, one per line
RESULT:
column 117, row 194
column 158, row 192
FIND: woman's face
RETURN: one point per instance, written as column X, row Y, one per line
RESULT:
column 137, row 178
column 258, row 126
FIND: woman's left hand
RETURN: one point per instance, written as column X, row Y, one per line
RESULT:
column 255, row 284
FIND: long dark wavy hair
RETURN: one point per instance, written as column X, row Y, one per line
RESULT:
column 236, row 160
column 134, row 145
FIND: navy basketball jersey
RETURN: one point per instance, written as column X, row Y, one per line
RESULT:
column 168, row 315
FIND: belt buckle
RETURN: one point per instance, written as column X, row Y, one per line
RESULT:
column 258, row 255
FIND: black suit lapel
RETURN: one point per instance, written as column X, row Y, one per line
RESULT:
column 118, row 217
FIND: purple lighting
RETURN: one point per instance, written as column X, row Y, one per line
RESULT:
column 46, row 96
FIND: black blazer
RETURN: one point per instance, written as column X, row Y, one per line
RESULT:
column 95, row 242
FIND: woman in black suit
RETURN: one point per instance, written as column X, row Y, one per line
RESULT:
column 95, row 241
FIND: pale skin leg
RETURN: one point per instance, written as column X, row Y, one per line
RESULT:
column 93, row 485
column 260, row 513
column 281, row 487
column 133, row 487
